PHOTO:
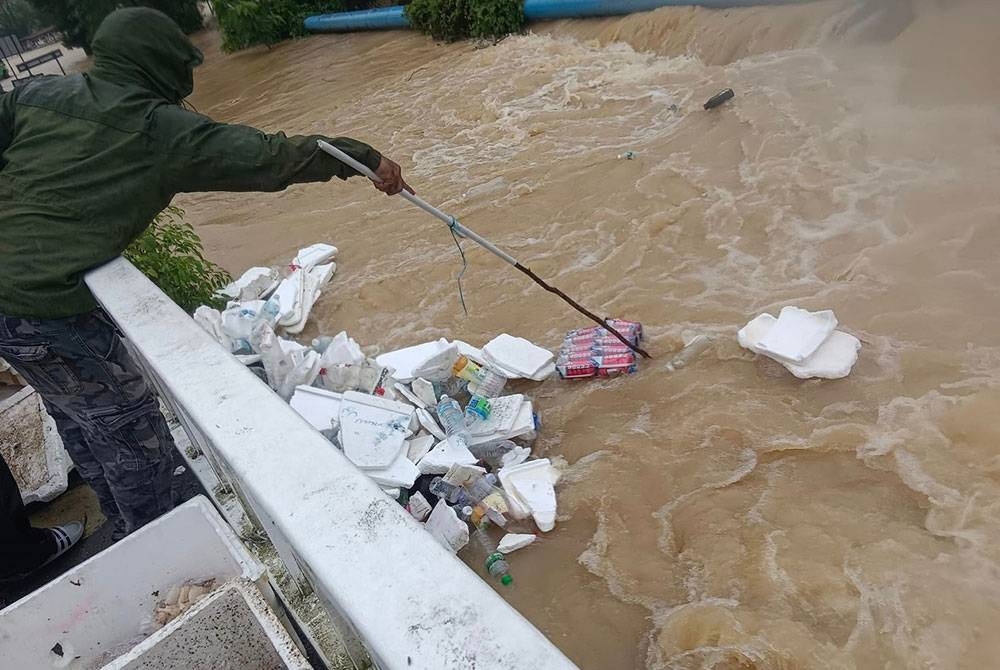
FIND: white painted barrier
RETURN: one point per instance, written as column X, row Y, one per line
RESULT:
column 411, row 603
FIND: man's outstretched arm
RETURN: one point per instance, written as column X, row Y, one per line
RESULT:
column 199, row 154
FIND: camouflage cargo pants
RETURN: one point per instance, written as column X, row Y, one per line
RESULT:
column 106, row 412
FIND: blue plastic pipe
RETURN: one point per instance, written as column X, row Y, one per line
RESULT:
column 391, row 18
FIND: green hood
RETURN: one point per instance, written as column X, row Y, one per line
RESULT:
column 142, row 46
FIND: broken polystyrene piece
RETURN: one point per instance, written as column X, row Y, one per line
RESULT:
column 503, row 413
column 314, row 254
column 211, row 322
column 373, row 430
column 401, row 472
column 418, row 447
column 253, row 284
column 461, row 474
column 522, row 428
column 342, row 350
column 409, row 395
column 518, row 355
column 430, row 424
column 834, row 359
column 314, row 280
column 418, row 507
column 319, row 407
column 446, row 454
column 797, row 334
column 391, row 492
column 514, row 541
column 447, row 528
column 531, row 484
column 424, row 390
column 305, row 369
column 406, row 361
column 469, row 351
column 438, row 367
column 291, row 295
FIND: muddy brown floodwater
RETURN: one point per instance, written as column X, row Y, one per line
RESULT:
column 725, row 516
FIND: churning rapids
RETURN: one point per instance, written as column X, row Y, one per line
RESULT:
column 725, row 516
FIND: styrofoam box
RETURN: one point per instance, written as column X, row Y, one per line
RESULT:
column 232, row 629
column 104, row 602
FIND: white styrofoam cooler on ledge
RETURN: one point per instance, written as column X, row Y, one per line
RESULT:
column 232, row 629
column 31, row 446
column 104, row 602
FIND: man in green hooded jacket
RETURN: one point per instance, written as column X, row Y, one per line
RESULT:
column 86, row 162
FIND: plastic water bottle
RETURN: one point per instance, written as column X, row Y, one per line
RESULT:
column 452, row 418
column 452, row 494
column 483, row 385
column 271, row 311
column 503, row 453
column 495, row 563
column 322, row 343
column 694, row 348
column 488, row 383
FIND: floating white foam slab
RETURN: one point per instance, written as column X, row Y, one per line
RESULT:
column 252, row 284
column 315, row 254
column 401, row 472
column 418, row 447
column 447, row 528
column 444, row 456
column 424, row 390
column 518, row 355
column 503, row 413
column 317, row 406
column 430, row 424
column 532, row 484
column 406, row 361
column 409, row 395
column 291, row 295
column 797, row 334
column 523, row 427
column 373, row 430
column 514, row 541
column 834, row 359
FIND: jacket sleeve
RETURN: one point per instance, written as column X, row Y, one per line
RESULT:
column 199, row 154
column 6, row 122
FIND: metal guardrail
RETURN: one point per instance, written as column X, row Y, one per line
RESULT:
column 412, row 604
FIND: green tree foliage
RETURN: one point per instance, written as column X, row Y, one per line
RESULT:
column 246, row 23
column 452, row 20
column 19, row 17
column 78, row 19
column 170, row 253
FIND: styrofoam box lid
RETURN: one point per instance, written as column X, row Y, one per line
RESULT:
column 103, row 602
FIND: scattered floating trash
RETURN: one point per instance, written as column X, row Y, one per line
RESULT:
column 628, row 155
column 719, row 98
column 430, row 424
